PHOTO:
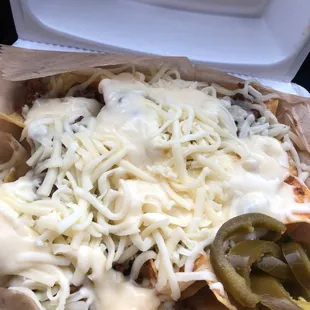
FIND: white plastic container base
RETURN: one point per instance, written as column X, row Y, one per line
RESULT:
column 267, row 39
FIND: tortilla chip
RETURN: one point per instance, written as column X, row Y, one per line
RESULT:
column 12, row 300
column 202, row 300
column 13, row 155
column 200, row 262
column 60, row 85
column 302, row 195
column 193, row 289
column 224, row 300
column 303, row 304
column 203, row 263
column 292, row 166
column 300, row 232
column 149, row 272
column 301, row 191
column 10, row 128
column 13, row 118
column 272, row 105
column 189, row 290
column 11, row 176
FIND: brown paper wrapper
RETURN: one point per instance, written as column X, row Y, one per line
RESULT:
column 19, row 65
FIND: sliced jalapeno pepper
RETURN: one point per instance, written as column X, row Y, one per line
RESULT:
column 244, row 254
column 299, row 263
column 275, row 267
column 235, row 284
column 272, row 293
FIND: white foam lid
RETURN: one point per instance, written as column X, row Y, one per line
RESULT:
column 261, row 38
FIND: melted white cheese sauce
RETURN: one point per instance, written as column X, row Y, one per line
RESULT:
column 59, row 108
column 45, row 111
column 127, row 115
column 113, row 292
column 16, row 241
column 257, row 183
column 21, row 255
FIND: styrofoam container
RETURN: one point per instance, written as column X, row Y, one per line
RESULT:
column 267, row 39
